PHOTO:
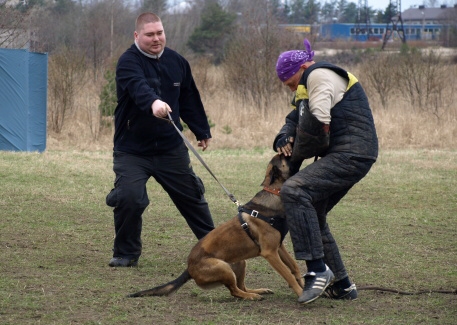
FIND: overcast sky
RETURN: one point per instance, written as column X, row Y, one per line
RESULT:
column 382, row 4
column 405, row 4
column 379, row 4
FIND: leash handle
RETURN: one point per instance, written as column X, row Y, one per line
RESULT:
column 189, row 145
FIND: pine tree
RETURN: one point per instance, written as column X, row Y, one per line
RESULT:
column 210, row 37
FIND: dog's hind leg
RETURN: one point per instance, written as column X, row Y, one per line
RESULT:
column 239, row 269
column 211, row 272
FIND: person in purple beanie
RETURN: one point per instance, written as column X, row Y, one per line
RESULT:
column 331, row 121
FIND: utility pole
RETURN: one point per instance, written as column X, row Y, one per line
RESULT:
column 363, row 23
column 395, row 19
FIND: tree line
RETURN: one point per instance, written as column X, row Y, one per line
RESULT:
column 85, row 38
column 102, row 28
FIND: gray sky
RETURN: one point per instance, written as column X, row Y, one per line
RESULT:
column 382, row 4
column 405, row 4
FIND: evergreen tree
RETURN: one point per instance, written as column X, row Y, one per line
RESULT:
column 329, row 11
column 108, row 97
column 350, row 13
column 311, row 13
column 341, row 7
column 391, row 11
column 210, row 37
column 297, row 12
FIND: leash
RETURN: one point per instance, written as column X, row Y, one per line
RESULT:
column 452, row 292
column 189, row 145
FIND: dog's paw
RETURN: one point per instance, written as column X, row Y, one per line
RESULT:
column 261, row 291
column 266, row 292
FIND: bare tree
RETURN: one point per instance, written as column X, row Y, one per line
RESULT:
column 105, row 33
column 66, row 76
column 179, row 26
column 250, row 61
column 156, row 6
column 421, row 77
column 379, row 76
column 13, row 31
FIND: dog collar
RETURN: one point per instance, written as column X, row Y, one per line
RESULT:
column 274, row 191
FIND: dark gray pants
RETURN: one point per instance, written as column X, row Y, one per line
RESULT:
column 309, row 195
column 173, row 171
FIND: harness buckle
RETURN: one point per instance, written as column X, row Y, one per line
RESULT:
column 245, row 226
column 254, row 213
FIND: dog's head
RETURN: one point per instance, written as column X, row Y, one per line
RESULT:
column 278, row 171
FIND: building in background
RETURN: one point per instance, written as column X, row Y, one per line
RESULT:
column 421, row 23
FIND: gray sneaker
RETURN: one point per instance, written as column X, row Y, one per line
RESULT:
column 315, row 285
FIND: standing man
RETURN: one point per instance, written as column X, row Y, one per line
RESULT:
column 331, row 118
column 153, row 81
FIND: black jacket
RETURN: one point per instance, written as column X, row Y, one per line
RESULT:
column 139, row 81
column 352, row 128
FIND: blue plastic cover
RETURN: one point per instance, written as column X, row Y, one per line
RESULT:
column 23, row 100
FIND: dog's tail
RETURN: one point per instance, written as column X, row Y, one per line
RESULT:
column 165, row 289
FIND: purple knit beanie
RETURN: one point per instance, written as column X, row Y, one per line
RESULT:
column 289, row 62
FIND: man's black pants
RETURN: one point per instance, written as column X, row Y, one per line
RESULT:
column 129, row 198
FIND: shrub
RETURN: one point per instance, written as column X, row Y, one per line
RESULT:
column 108, row 97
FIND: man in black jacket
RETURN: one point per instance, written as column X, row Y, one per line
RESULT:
column 153, row 81
column 331, row 119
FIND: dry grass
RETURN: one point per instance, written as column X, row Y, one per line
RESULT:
column 242, row 124
column 395, row 228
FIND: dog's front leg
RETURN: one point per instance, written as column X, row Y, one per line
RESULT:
column 291, row 264
column 276, row 262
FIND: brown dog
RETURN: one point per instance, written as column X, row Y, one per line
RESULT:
column 220, row 257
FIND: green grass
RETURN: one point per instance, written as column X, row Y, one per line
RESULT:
column 396, row 229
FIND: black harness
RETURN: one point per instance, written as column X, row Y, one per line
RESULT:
column 277, row 222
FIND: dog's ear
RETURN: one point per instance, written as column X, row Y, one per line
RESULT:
column 269, row 175
column 275, row 174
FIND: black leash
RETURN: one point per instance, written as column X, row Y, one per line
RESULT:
column 452, row 292
column 189, row 145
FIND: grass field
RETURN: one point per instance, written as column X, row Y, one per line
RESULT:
column 396, row 229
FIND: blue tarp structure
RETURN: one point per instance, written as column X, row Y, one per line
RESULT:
column 23, row 100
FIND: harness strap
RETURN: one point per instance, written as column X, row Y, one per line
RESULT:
column 245, row 227
column 256, row 214
column 278, row 223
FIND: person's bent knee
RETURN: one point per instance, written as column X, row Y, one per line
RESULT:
column 128, row 196
column 291, row 192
